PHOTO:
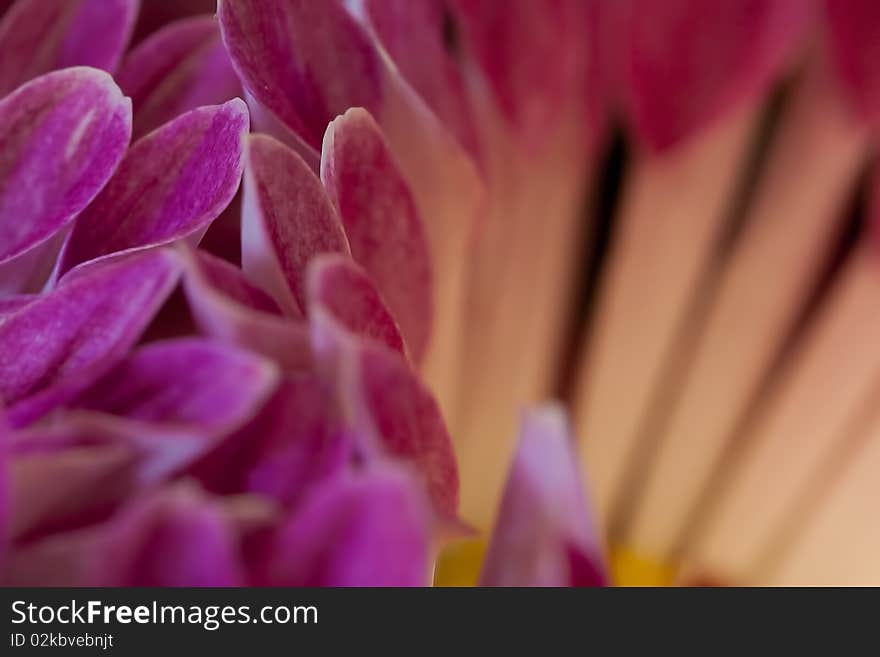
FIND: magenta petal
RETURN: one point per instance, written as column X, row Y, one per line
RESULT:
column 359, row 529
column 188, row 382
column 62, row 135
column 155, row 14
column 182, row 66
column 227, row 306
column 413, row 34
column 37, row 36
column 170, row 186
column 384, row 401
column 55, row 347
column 340, row 287
column 684, row 63
column 287, row 219
column 544, row 534
column 176, row 537
column 304, row 61
column 381, row 220
column 854, row 27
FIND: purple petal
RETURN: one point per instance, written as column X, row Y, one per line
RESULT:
column 154, row 14
column 684, row 63
column 382, row 222
column 383, row 400
column 189, row 382
column 170, row 186
column 38, row 36
column 182, row 66
column 177, row 537
column 304, row 61
column 360, row 529
column 544, row 534
column 337, row 285
column 62, row 135
column 854, row 27
column 287, row 219
column 413, row 33
column 55, row 347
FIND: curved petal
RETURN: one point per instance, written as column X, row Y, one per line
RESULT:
column 361, row 529
column 62, row 136
column 854, row 27
column 182, row 66
column 336, row 284
column 38, row 36
column 382, row 399
column 55, row 347
column 287, row 219
column 544, row 534
column 171, row 185
column 382, row 222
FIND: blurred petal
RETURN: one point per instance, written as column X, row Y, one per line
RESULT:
column 304, row 61
column 155, row 14
column 381, row 220
column 383, row 400
column 170, row 186
column 37, row 36
column 63, row 135
column 287, row 219
column 544, row 534
column 176, row 537
column 684, row 63
column 55, row 347
column 854, row 27
column 187, row 382
column 341, row 288
column 418, row 37
column 182, row 66
column 361, row 529
column 227, row 306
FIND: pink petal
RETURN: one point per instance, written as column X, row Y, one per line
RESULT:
column 177, row 537
column 154, row 14
column 304, row 61
column 182, row 66
column 38, row 36
column 381, row 221
column 341, row 288
column 416, row 35
column 286, row 220
column 227, row 306
column 360, row 529
column 55, row 347
column 684, row 63
column 170, row 186
column 189, row 382
column 63, row 135
column 544, row 534
column 854, row 27
column 383, row 400
column 533, row 54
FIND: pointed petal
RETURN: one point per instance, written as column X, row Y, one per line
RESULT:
column 544, row 534
column 38, row 36
column 55, row 347
column 381, row 220
column 341, row 288
column 684, row 63
column 188, row 382
column 176, row 537
column 304, row 61
column 170, row 186
column 363, row 529
column 854, row 27
column 63, row 135
column 225, row 305
column 287, row 219
column 182, row 66
column 383, row 400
